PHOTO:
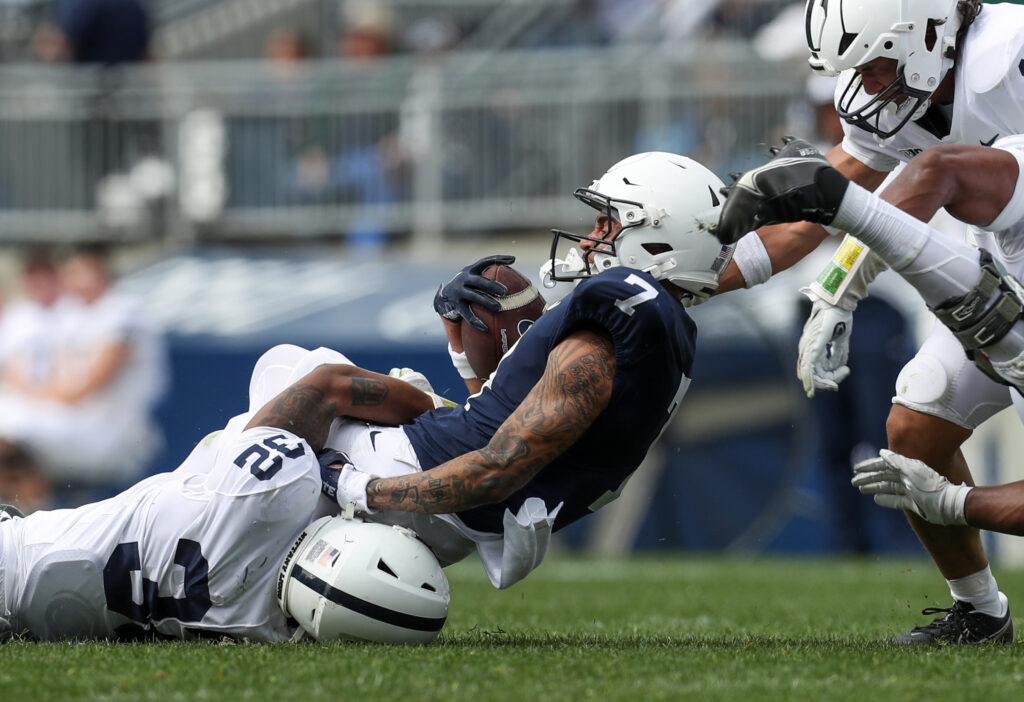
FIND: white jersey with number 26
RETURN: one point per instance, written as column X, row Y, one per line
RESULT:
column 180, row 554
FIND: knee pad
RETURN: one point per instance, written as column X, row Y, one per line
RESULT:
column 922, row 381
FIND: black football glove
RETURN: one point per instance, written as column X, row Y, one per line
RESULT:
column 469, row 286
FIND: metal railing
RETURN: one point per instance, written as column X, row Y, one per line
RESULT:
column 464, row 143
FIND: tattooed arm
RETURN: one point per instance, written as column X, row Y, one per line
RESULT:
column 308, row 407
column 575, row 388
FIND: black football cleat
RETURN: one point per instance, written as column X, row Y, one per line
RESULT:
column 9, row 512
column 798, row 184
column 960, row 624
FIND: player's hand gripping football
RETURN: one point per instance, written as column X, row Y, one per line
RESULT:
column 824, row 346
column 905, row 483
column 453, row 299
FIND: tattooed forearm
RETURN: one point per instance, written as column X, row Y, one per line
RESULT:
column 329, row 391
column 572, row 393
column 368, row 392
column 302, row 409
column 459, row 485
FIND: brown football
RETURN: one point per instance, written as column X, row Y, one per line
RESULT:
column 521, row 307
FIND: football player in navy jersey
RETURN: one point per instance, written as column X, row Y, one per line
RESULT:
column 577, row 402
column 552, row 435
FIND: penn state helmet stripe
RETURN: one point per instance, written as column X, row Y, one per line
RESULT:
column 368, row 609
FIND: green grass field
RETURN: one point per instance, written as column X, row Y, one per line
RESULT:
column 657, row 628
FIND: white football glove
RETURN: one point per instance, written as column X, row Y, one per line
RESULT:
column 352, row 488
column 905, row 483
column 343, row 482
column 824, row 346
column 414, row 378
column 420, row 382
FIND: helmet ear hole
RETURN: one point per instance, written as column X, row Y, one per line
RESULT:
column 655, row 249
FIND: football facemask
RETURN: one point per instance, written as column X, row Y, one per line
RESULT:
column 920, row 35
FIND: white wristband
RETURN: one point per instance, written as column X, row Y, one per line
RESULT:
column 954, row 504
column 751, row 257
column 461, row 362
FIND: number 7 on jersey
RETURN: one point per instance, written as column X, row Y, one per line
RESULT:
column 628, row 306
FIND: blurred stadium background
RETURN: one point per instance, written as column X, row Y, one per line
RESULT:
column 308, row 171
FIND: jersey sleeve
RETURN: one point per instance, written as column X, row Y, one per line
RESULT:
column 992, row 52
column 861, row 145
column 269, row 463
column 284, row 364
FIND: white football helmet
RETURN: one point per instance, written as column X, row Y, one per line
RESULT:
column 667, row 205
column 919, row 34
column 348, row 579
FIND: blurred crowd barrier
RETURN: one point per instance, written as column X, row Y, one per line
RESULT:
column 401, row 146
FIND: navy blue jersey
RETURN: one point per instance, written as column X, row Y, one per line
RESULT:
column 654, row 345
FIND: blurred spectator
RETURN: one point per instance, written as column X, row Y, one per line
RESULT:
column 90, row 425
column 286, row 49
column 368, row 30
column 268, row 155
column 28, row 329
column 28, row 325
column 431, row 36
column 741, row 18
column 106, row 32
column 312, row 155
column 363, row 167
column 109, row 34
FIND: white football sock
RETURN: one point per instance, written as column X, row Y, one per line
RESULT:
column 981, row 590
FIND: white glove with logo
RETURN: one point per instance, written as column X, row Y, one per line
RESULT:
column 414, row 378
column 824, row 346
column 420, row 382
column 905, row 483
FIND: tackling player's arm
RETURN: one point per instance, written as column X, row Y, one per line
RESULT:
column 575, row 388
column 998, row 508
column 901, row 482
column 788, row 243
column 307, row 407
column 974, row 183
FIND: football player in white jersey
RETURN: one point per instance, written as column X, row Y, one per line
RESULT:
column 913, row 75
column 196, row 551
